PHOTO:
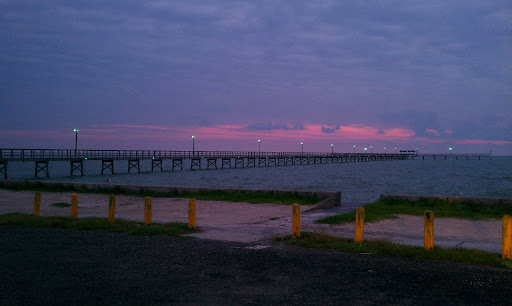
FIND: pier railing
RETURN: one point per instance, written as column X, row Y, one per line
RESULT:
column 66, row 154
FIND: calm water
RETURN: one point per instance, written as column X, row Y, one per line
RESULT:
column 358, row 182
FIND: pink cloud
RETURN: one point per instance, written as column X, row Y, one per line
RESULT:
column 222, row 137
column 432, row 131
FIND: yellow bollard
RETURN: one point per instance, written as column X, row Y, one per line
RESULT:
column 429, row 230
column 192, row 213
column 37, row 203
column 296, row 221
column 358, row 236
column 74, row 205
column 111, row 208
column 147, row 211
column 506, row 246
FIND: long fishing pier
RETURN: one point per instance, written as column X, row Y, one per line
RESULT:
column 196, row 160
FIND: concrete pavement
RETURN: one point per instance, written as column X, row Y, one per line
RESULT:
column 258, row 223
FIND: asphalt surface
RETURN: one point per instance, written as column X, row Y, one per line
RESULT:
column 52, row 266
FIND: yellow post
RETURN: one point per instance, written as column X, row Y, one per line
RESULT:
column 111, row 208
column 74, row 205
column 192, row 213
column 429, row 230
column 358, row 237
column 506, row 246
column 296, row 221
column 37, row 203
column 147, row 211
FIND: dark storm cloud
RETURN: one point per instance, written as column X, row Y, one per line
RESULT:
column 417, row 121
column 268, row 126
column 328, row 130
column 421, row 65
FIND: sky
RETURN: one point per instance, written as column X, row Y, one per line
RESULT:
column 150, row 74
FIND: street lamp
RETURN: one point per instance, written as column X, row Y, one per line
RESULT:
column 450, row 148
column 354, row 149
column 365, row 150
column 259, row 146
column 332, row 149
column 301, row 148
column 76, row 138
column 371, row 149
column 384, row 150
column 193, row 144
column 395, row 150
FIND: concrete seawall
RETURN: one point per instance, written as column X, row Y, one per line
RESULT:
column 483, row 201
column 327, row 198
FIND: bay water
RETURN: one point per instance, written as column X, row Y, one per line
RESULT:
column 358, row 181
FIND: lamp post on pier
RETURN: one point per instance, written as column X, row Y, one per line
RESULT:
column 259, row 146
column 301, row 148
column 354, row 149
column 371, row 149
column 395, row 150
column 450, row 148
column 385, row 150
column 332, row 149
column 76, row 139
column 193, row 145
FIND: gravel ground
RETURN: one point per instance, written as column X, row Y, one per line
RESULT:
column 51, row 266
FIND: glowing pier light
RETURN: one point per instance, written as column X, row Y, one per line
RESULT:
column 76, row 138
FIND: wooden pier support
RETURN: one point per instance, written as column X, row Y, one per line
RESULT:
column 77, row 165
column 3, row 168
column 262, row 162
column 195, row 162
column 239, row 162
column 251, row 162
column 290, row 161
column 42, row 165
column 178, row 162
column 211, row 162
column 281, row 161
column 156, row 163
column 107, row 164
column 226, row 163
column 134, row 163
column 271, row 162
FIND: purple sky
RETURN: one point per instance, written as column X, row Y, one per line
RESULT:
column 150, row 74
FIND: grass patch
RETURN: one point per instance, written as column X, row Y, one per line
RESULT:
column 379, row 247
column 61, row 204
column 173, row 229
column 213, row 195
column 389, row 208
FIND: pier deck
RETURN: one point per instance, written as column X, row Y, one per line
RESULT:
column 197, row 160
